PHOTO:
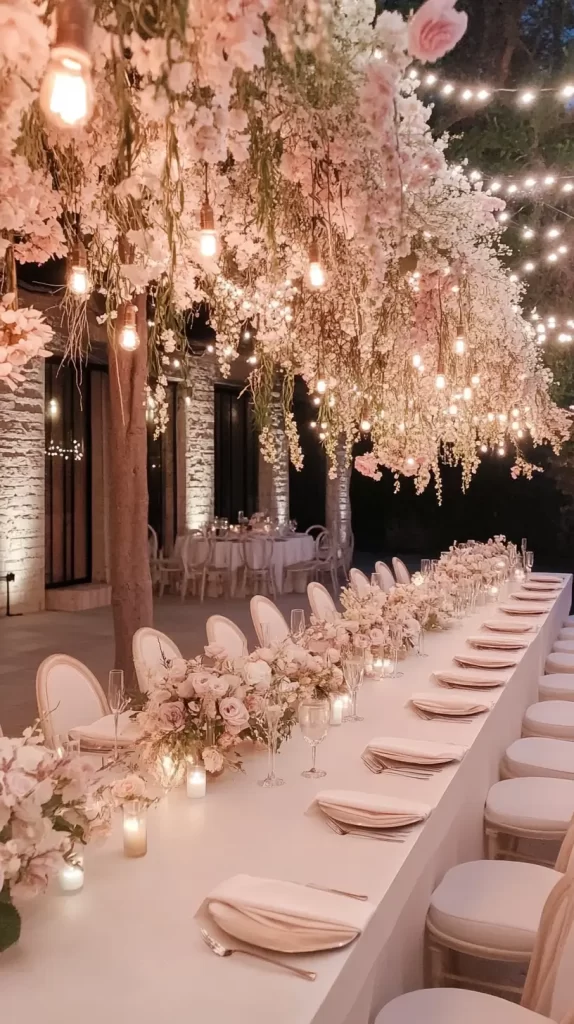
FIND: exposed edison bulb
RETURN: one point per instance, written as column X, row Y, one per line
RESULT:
column 467, row 394
column 501, row 450
column 321, row 386
column 475, row 380
column 365, row 426
column 410, row 461
column 502, row 417
column 440, row 381
column 316, row 272
column 484, row 448
column 515, row 412
column 78, row 281
column 416, row 361
column 515, row 424
column 207, row 234
column 459, row 347
column 67, row 92
column 129, row 338
column 520, row 433
column 453, row 409
column 490, row 417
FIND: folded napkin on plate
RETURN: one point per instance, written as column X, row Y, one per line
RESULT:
column 545, row 588
column 412, row 751
column 449, row 703
column 467, row 677
column 284, row 916
column 531, row 595
column 522, row 608
column 504, row 643
column 101, row 733
column 504, row 626
column 542, row 577
column 370, row 810
column 486, row 659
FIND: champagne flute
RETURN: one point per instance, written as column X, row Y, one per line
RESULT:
column 273, row 714
column 529, row 561
column 297, row 623
column 396, row 638
column 353, row 671
column 425, row 566
column 116, row 700
column 314, row 719
column 421, row 642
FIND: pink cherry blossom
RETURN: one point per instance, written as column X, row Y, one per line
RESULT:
column 435, row 29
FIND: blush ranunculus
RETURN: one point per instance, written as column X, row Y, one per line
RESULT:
column 435, row 29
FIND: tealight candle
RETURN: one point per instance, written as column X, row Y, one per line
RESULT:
column 196, row 781
column 71, row 875
column 337, row 708
column 135, row 829
column 378, row 665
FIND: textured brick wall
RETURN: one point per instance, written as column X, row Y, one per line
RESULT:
column 199, row 447
column 274, row 479
column 338, row 500
column 22, row 443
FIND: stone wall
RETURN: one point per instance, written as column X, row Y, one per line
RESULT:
column 22, row 443
column 199, row 445
column 274, row 478
column 338, row 500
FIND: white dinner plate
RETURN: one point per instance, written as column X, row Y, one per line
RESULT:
column 524, row 609
column 531, row 595
column 484, row 642
column 504, row 626
column 470, row 678
column 486, row 659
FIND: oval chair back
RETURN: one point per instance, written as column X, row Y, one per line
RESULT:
column 226, row 634
column 386, row 578
column 151, row 649
column 402, row 574
column 269, row 623
column 359, row 582
column 322, row 604
column 68, row 695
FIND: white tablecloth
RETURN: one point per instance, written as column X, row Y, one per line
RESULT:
column 126, row 950
column 286, row 551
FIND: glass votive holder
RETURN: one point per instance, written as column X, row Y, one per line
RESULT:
column 195, row 780
column 493, row 592
column 71, row 874
column 388, row 670
column 135, row 828
column 338, row 705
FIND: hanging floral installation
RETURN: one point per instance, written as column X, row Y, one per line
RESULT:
column 270, row 158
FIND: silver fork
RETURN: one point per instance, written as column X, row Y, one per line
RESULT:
column 220, row 950
column 429, row 717
column 378, row 768
column 363, row 833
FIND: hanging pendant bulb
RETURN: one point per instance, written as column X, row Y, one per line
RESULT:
column 459, row 347
column 365, row 425
column 440, row 382
column 78, row 278
column 316, row 272
column 67, row 92
column 129, row 338
column 207, row 236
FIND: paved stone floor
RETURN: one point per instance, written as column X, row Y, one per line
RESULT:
column 26, row 640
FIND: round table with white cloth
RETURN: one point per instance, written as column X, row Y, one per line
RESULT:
column 298, row 547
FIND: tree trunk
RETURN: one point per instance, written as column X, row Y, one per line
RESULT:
column 132, row 601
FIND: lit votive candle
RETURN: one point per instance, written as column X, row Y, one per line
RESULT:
column 378, row 664
column 337, row 708
column 196, row 781
column 71, row 875
column 135, row 829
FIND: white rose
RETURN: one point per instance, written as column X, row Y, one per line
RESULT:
column 258, row 674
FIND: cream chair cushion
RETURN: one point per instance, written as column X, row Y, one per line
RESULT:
column 559, row 661
column 569, row 620
column 454, row 1006
column 494, row 904
column 535, row 755
column 556, row 686
column 534, row 804
column 563, row 647
column 553, row 718
column 567, row 633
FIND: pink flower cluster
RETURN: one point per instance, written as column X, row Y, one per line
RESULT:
column 368, row 465
column 24, row 335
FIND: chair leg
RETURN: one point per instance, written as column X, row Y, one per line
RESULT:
column 183, row 587
column 161, row 587
column 491, row 843
column 334, row 580
column 203, row 581
column 436, row 964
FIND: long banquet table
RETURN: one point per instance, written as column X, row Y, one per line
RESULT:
column 127, row 949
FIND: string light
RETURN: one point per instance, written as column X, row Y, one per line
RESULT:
column 365, row 426
column 459, row 347
column 467, row 92
column 78, row 278
column 67, row 92
column 57, row 451
column 475, row 380
column 128, row 336
column 416, row 361
column 440, row 382
column 321, row 386
column 207, row 234
column 316, row 272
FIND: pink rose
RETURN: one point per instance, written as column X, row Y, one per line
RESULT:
column 132, row 787
column 234, row 714
column 171, row 717
column 435, row 29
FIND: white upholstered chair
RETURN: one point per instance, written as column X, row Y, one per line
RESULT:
column 556, row 686
column 548, row 994
column 559, row 661
column 226, row 634
column 68, row 696
column 170, row 568
column 322, row 604
column 566, row 633
column 151, row 649
column 490, row 910
column 563, row 647
column 551, row 718
column 538, row 756
column 269, row 623
column 359, row 582
column 386, row 578
column 526, row 809
column 196, row 551
column 402, row 574
column 258, row 564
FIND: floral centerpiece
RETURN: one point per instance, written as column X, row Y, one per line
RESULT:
column 45, row 810
column 483, row 563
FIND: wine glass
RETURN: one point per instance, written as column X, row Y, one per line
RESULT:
column 420, row 642
column 396, row 640
column 529, row 561
column 273, row 713
column 116, row 700
column 314, row 719
column 353, row 671
column 425, row 566
column 297, row 623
